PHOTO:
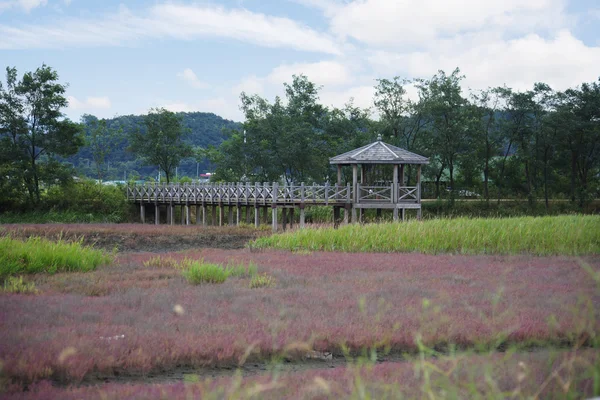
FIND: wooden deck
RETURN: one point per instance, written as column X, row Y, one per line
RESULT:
column 271, row 195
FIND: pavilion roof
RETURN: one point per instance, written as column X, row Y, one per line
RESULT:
column 379, row 152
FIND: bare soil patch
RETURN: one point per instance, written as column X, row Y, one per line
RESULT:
column 140, row 238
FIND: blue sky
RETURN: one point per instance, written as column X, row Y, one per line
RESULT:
column 124, row 57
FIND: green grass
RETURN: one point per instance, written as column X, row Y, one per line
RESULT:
column 37, row 255
column 562, row 235
column 241, row 270
column 198, row 272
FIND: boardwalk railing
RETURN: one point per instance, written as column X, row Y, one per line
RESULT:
column 268, row 193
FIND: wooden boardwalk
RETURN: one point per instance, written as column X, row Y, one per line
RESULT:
column 245, row 197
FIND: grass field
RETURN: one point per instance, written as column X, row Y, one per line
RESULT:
column 319, row 325
column 564, row 235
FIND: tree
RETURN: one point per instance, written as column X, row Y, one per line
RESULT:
column 162, row 143
column 487, row 139
column 101, row 140
column 399, row 114
column 33, row 128
column 449, row 121
column 277, row 140
column 582, row 136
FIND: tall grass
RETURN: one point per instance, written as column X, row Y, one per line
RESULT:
column 563, row 235
column 37, row 255
column 198, row 272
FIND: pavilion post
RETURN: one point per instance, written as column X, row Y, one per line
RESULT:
column 339, row 174
column 354, row 191
column 419, row 211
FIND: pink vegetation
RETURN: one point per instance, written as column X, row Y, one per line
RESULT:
column 324, row 299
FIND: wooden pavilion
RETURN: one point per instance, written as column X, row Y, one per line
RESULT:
column 378, row 195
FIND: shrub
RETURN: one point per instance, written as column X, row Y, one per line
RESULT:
column 37, row 255
column 262, row 280
column 15, row 284
column 198, row 272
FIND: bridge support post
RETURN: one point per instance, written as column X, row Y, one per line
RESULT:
column 395, row 214
column 256, row 217
column 292, row 218
column 346, row 214
column 171, row 214
column 302, row 217
column 156, row 214
column 404, row 214
column 143, row 213
column 182, row 214
column 354, row 217
column 188, row 215
column 266, row 215
column 248, row 220
column 198, row 217
column 204, row 214
column 419, row 213
column 221, row 214
column 238, row 214
column 214, row 216
column 230, row 215
column 274, row 220
column 284, row 218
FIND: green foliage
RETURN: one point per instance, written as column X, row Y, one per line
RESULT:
column 162, row 143
column 293, row 139
column 198, row 272
column 241, row 270
column 101, row 140
column 37, row 255
column 14, row 284
column 33, row 132
column 564, row 235
column 262, row 280
column 89, row 197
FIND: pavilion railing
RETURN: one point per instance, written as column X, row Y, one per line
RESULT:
column 268, row 193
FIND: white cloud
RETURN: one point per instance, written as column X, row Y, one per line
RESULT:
column 418, row 22
column 183, row 22
column 562, row 61
column 190, row 76
column 326, row 73
column 25, row 5
column 90, row 103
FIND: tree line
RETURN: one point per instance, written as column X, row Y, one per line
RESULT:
column 535, row 144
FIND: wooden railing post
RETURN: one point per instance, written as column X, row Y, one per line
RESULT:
column 274, row 191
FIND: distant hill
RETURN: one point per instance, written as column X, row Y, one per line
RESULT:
column 206, row 129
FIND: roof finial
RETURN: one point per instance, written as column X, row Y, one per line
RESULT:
column 379, row 137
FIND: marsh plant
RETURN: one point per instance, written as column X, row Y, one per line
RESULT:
column 564, row 235
column 37, row 255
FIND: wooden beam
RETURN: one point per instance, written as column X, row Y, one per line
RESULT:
column 256, row 217
column 302, row 217
column 274, row 220
column 143, row 213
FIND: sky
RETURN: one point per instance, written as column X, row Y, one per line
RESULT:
column 125, row 57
